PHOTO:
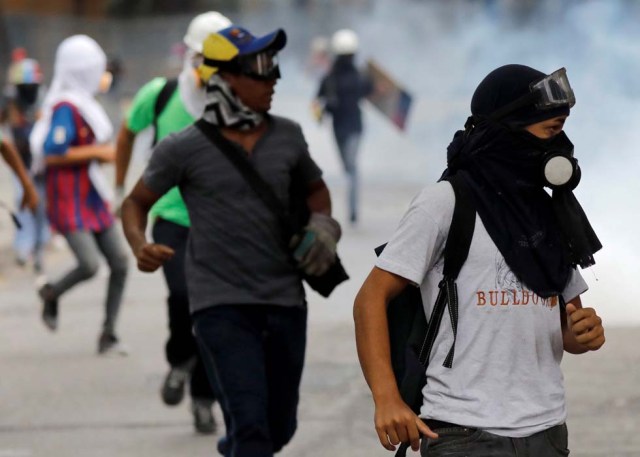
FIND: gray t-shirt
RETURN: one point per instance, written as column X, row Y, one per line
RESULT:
column 237, row 252
column 506, row 376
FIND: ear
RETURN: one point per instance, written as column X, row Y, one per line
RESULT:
column 231, row 79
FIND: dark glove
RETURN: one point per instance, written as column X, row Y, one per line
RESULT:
column 315, row 248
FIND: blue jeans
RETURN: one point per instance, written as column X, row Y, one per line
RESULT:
column 470, row 442
column 348, row 146
column 254, row 355
column 31, row 239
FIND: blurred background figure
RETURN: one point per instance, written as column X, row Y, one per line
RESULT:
column 169, row 105
column 72, row 139
column 339, row 95
column 319, row 59
column 21, row 99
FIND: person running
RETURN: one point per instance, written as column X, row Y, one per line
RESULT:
column 245, row 289
column 20, row 111
column 339, row 95
column 72, row 136
column 183, row 101
column 517, row 307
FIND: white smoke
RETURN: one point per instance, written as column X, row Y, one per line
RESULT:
column 441, row 50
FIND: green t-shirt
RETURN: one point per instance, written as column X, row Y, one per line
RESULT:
column 173, row 118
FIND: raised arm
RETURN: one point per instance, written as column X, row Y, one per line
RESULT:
column 59, row 143
column 74, row 155
column 395, row 422
column 135, row 209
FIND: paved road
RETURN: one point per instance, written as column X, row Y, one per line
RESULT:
column 58, row 399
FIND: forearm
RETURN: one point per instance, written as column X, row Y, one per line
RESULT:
column 12, row 158
column 81, row 154
column 372, row 342
column 124, row 148
column 319, row 198
column 134, row 222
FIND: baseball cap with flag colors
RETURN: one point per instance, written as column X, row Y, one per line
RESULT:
column 236, row 50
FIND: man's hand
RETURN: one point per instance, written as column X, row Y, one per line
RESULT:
column 152, row 256
column 396, row 423
column 317, row 110
column 586, row 326
column 316, row 250
column 30, row 198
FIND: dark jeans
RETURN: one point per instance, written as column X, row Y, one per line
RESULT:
column 181, row 346
column 466, row 442
column 255, row 353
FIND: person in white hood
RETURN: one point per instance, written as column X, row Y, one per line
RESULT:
column 70, row 141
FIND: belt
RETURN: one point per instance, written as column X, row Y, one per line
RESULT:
column 434, row 424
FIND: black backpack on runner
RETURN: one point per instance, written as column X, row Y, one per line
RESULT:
column 411, row 335
column 161, row 102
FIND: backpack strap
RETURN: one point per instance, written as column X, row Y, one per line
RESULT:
column 455, row 254
column 456, row 251
column 161, row 103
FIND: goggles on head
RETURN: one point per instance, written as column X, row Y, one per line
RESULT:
column 550, row 92
column 262, row 66
column 554, row 90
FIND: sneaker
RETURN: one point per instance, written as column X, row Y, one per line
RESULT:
column 173, row 387
column 109, row 345
column 49, row 307
column 203, row 419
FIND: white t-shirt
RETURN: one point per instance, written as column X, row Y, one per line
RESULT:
column 506, row 376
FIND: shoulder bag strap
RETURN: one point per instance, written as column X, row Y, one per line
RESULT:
column 237, row 156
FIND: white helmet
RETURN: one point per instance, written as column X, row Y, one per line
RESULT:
column 344, row 41
column 202, row 26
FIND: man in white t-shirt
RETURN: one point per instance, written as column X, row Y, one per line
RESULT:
column 519, row 290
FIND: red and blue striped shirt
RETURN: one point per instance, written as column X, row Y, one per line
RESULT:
column 73, row 203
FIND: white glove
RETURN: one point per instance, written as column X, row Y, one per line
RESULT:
column 315, row 249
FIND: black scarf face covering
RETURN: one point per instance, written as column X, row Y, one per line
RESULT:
column 541, row 237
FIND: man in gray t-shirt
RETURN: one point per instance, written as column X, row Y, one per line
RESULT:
column 245, row 290
column 494, row 386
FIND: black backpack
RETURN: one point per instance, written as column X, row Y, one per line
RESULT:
column 161, row 102
column 411, row 335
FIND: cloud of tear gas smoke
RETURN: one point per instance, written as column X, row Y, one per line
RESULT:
column 441, row 50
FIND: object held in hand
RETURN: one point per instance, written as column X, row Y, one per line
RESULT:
column 315, row 248
column 14, row 218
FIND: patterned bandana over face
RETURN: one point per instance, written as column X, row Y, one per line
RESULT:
column 224, row 109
